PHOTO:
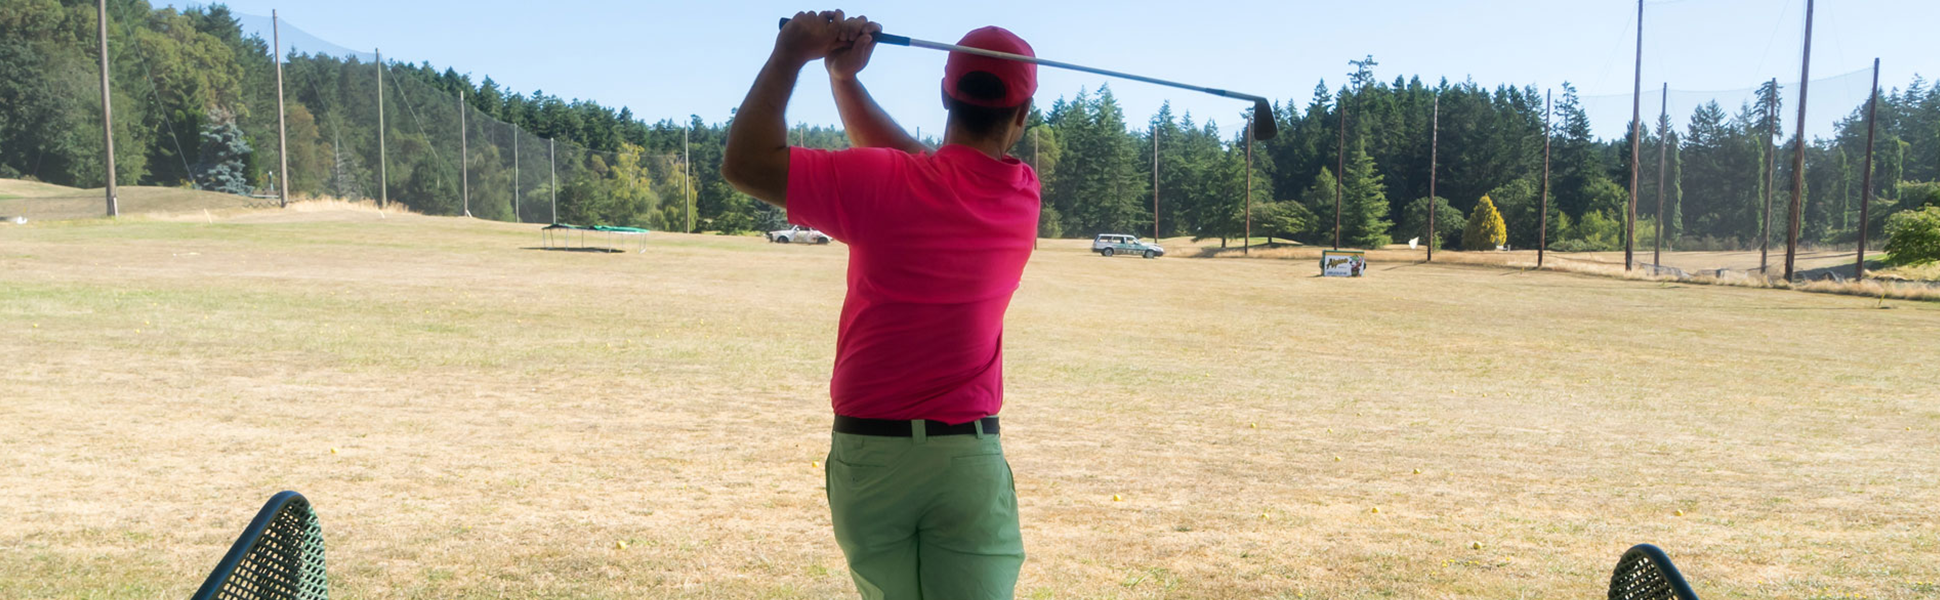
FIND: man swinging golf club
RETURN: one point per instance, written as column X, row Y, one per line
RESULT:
column 920, row 494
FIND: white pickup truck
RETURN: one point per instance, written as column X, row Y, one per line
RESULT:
column 796, row 234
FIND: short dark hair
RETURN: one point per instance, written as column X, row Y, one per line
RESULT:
column 977, row 120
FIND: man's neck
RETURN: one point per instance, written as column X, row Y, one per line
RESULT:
column 993, row 148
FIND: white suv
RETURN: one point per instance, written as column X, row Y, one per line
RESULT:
column 1108, row 244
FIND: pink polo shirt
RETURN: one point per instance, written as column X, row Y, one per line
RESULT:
column 937, row 243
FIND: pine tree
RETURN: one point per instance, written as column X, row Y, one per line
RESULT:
column 1039, row 147
column 1364, row 203
column 1318, row 197
column 346, row 176
column 1104, row 192
column 1485, row 230
column 1577, row 165
column 220, row 168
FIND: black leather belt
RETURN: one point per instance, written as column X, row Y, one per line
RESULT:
column 890, row 428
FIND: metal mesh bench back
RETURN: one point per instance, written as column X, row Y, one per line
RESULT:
column 1646, row 573
column 279, row 557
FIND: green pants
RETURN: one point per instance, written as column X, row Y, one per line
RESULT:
column 925, row 517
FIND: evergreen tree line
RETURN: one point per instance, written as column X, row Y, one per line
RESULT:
column 195, row 105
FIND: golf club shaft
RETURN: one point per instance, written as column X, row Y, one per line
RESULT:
column 899, row 40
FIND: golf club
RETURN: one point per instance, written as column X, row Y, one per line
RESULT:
column 1263, row 129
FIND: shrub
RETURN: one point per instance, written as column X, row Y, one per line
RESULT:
column 1597, row 231
column 1414, row 222
column 1285, row 219
column 1485, row 230
column 1913, row 236
column 1520, row 202
column 1915, row 194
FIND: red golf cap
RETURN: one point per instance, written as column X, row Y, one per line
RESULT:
column 1020, row 78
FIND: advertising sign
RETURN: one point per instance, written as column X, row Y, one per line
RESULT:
column 1342, row 263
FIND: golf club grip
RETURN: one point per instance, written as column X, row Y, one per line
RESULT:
column 881, row 38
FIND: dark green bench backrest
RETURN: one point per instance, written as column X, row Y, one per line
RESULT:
column 1646, row 573
column 278, row 557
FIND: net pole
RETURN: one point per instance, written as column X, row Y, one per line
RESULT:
column 1155, row 180
column 516, row 215
column 687, row 175
column 383, row 177
column 1663, row 155
column 1798, row 156
column 1340, row 167
column 552, row 157
column 1771, row 179
column 1434, row 146
column 282, row 131
column 1542, row 240
column 1636, row 145
column 1866, row 184
column 107, row 114
column 1245, row 248
column 464, row 158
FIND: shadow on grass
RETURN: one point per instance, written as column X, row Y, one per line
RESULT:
column 1213, row 251
column 581, row 249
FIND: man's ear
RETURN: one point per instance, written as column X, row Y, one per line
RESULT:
column 1020, row 122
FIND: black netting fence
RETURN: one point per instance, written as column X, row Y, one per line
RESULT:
column 196, row 106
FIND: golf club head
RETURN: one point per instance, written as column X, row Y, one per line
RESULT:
column 1264, row 125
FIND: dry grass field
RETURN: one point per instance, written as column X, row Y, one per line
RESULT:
column 476, row 418
column 45, row 202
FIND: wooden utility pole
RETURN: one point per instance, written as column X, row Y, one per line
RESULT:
column 1542, row 240
column 1798, row 155
column 1246, row 248
column 1636, row 145
column 1434, row 146
column 1340, row 168
column 383, row 177
column 282, row 134
column 1663, row 150
column 107, row 114
column 1771, row 179
column 1866, row 184
column 464, row 158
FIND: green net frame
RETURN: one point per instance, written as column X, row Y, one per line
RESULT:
column 1646, row 573
column 279, row 556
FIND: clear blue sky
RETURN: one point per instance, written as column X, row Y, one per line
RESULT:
column 673, row 59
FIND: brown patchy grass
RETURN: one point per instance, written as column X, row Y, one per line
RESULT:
column 1898, row 284
column 501, row 418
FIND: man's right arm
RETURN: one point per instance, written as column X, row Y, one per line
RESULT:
column 868, row 125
